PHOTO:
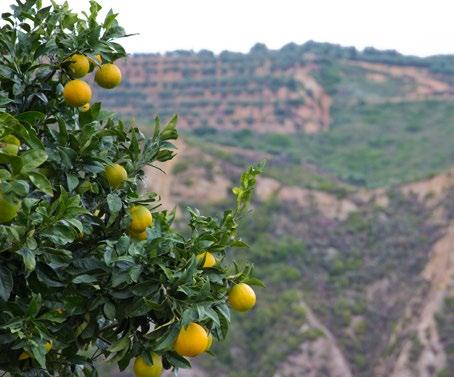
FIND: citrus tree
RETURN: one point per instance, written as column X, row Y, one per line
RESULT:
column 89, row 264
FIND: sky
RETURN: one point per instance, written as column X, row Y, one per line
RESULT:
column 416, row 27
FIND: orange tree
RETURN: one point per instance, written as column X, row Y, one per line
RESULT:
column 89, row 265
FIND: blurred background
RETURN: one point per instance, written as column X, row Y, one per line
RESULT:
column 352, row 104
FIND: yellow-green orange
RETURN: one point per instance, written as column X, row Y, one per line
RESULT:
column 140, row 219
column 242, row 297
column 115, row 175
column 210, row 260
column 142, row 369
column 11, row 139
column 79, row 67
column 85, row 108
column 108, row 76
column 191, row 341
column 9, row 149
column 77, row 93
column 26, row 355
column 139, row 236
column 8, row 210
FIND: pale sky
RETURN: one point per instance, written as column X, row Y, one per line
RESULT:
column 418, row 27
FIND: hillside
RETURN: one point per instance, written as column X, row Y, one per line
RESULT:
column 384, row 112
column 353, row 227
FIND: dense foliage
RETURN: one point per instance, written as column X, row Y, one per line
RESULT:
column 75, row 284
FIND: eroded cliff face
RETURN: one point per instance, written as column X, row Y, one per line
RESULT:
column 421, row 352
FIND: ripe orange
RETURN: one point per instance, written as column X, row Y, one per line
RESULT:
column 8, row 210
column 140, row 219
column 191, row 341
column 242, row 297
column 79, row 67
column 115, row 175
column 210, row 260
column 108, row 76
column 77, row 93
column 142, row 369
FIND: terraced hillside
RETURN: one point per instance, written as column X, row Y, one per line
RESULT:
column 284, row 91
column 353, row 223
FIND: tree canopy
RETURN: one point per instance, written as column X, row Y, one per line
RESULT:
column 90, row 265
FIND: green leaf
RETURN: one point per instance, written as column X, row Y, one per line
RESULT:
column 254, row 281
column 59, row 234
column 72, row 181
column 109, row 310
column 120, row 344
column 41, row 182
column 168, row 339
column 39, row 353
column 178, row 361
column 29, row 258
column 20, row 187
column 14, row 161
column 32, row 159
column 45, row 279
column 115, row 205
column 84, row 279
column 31, row 117
column 35, row 305
column 247, row 185
column 6, row 283
column 5, row 100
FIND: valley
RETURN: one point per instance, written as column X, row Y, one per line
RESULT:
column 352, row 227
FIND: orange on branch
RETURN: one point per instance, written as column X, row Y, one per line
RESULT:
column 108, row 76
column 210, row 260
column 77, row 93
column 142, row 369
column 115, row 175
column 141, row 219
column 79, row 66
column 242, row 297
column 191, row 341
